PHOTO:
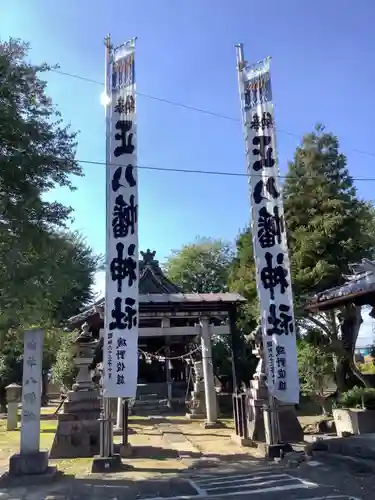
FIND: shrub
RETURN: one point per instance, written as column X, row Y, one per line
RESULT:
column 358, row 397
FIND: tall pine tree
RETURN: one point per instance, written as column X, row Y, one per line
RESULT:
column 328, row 226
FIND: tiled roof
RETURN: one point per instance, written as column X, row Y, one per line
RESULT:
column 156, row 289
column 361, row 282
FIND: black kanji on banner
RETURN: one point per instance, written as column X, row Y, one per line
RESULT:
column 270, row 227
column 269, row 186
column 124, row 216
column 281, row 321
column 271, row 277
column 125, row 106
column 125, row 316
column 258, row 123
column 124, row 266
column 129, row 178
column 265, row 151
column 125, row 137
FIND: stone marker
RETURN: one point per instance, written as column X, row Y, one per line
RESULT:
column 13, row 392
column 30, row 460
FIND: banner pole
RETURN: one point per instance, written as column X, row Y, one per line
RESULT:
column 271, row 424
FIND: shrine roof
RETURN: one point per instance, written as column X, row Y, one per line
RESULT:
column 151, row 277
column 159, row 302
column 359, row 288
column 157, row 293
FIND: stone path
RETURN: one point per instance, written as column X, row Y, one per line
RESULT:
column 314, row 481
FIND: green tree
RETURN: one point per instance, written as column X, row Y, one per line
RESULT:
column 64, row 370
column 205, row 267
column 315, row 366
column 37, row 155
column 201, row 267
column 328, row 227
column 242, row 280
column 46, row 272
column 11, row 357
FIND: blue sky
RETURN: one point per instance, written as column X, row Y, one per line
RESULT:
column 322, row 60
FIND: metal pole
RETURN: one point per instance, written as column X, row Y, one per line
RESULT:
column 273, row 415
column 106, row 431
column 125, row 428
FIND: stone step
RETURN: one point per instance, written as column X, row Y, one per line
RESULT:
column 151, row 397
column 145, row 402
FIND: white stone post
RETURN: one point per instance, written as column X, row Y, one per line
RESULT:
column 31, row 460
column 13, row 394
column 166, row 323
column 208, row 372
column 119, row 415
column 31, row 391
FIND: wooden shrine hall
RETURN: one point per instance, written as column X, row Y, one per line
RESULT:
column 169, row 323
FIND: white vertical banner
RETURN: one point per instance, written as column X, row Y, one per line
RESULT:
column 120, row 352
column 270, row 247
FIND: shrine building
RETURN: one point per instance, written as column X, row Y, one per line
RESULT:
column 170, row 325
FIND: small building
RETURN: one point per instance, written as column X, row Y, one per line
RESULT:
column 169, row 327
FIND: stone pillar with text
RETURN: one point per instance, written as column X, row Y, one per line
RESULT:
column 31, row 460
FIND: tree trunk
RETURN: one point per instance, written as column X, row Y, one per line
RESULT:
column 340, row 374
column 351, row 320
column 322, row 402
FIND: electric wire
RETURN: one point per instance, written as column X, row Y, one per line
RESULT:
column 193, row 108
column 207, row 112
column 206, row 172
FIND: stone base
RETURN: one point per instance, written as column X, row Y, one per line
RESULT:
column 76, row 438
column 277, row 450
column 27, row 480
column 107, row 464
column 195, row 416
column 212, row 425
column 242, row 441
column 125, row 450
column 21, row 464
column 290, row 428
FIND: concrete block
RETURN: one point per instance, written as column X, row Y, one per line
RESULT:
column 28, row 463
column 106, row 464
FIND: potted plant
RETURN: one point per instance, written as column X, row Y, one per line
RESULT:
column 354, row 412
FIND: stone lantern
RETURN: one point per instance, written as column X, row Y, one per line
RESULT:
column 13, row 395
column 77, row 432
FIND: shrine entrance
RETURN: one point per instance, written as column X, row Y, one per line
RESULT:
column 171, row 324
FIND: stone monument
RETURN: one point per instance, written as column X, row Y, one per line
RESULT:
column 197, row 403
column 78, row 427
column 30, row 460
column 290, row 428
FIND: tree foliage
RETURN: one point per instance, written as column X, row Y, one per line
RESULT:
column 315, row 367
column 46, row 272
column 64, row 370
column 201, row 267
column 328, row 226
column 242, row 280
column 37, row 254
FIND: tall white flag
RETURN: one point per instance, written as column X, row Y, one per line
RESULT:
column 120, row 350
